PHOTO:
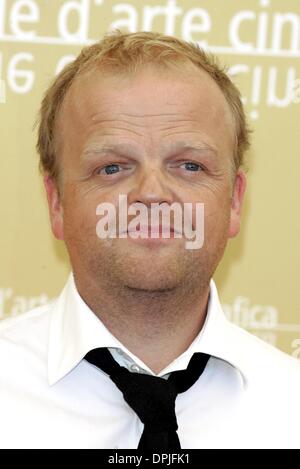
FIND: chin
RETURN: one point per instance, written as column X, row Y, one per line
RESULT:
column 150, row 288
column 150, row 283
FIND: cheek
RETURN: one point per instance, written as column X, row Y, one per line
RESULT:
column 216, row 204
column 81, row 210
column 80, row 219
column 216, row 220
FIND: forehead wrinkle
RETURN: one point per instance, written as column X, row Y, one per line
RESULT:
column 193, row 146
column 137, row 115
column 132, row 126
column 193, row 132
column 128, row 118
column 178, row 128
column 115, row 127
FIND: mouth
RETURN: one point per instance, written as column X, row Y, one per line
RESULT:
column 153, row 231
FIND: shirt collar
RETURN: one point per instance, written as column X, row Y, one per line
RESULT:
column 75, row 330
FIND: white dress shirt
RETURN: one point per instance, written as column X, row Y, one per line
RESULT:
column 247, row 397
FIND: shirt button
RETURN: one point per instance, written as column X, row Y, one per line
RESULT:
column 135, row 368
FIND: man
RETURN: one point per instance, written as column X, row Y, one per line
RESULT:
column 154, row 119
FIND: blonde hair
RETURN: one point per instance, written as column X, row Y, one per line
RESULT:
column 126, row 52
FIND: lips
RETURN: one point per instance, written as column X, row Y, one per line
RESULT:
column 158, row 229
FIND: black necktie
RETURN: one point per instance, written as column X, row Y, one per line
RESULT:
column 152, row 397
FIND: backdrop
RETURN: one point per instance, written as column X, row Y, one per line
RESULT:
column 259, row 41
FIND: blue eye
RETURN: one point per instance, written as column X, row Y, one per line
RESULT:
column 192, row 166
column 111, row 169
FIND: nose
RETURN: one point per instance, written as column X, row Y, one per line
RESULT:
column 152, row 187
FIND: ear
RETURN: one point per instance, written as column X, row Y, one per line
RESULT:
column 55, row 207
column 236, row 203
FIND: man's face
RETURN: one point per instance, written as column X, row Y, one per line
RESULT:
column 168, row 137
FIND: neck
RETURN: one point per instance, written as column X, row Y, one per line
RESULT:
column 156, row 326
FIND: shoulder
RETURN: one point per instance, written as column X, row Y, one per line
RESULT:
column 262, row 361
column 258, row 361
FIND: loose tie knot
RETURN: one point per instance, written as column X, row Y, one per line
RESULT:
column 151, row 397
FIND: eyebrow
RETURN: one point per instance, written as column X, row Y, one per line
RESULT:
column 98, row 148
column 125, row 149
